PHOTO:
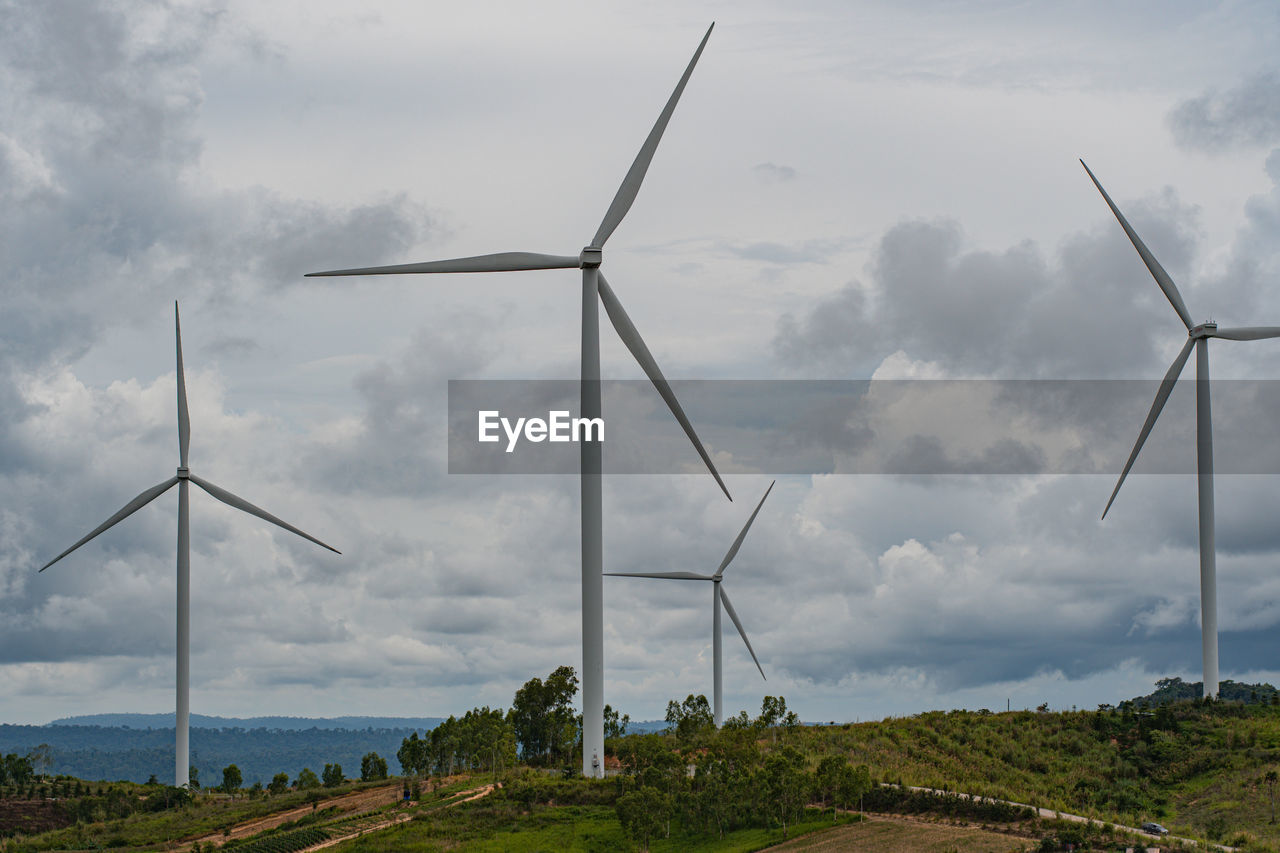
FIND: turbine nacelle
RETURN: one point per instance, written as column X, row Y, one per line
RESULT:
column 592, row 256
column 1204, row 330
column 184, row 473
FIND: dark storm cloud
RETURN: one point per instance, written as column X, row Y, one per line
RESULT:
column 1248, row 114
column 99, row 109
column 1092, row 312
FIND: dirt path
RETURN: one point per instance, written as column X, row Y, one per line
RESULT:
column 474, row 794
column 357, row 801
column 1074, row 818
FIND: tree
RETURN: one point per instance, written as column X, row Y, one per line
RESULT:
column 279, row 783
column 650, row 760
column 41, row 759
column 542, row 717
column 412, row 755
column 193, row 776
column 231, row 779
column 854, row 782
column 691, row 717
column 773, row 713
column 787, row 785
column 18, row 770
column 1270, row 778
column 615, row 726
column 642, row 813
column 827, row 780
column 306, row 780
column 373, row 766
column 332, row 775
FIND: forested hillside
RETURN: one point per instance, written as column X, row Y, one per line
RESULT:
column 114, row 753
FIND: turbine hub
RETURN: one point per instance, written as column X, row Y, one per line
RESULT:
column 591, row 256
column 1204, row 330
column 184, row 473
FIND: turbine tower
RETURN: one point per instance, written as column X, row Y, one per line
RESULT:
column 1198, row 337
column 594, row 287
column 182, row 760
column 718, row 596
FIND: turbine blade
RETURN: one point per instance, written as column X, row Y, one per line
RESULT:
column 127, row 510
column 500, row 262
column 1248, row 333
column 627, row 331
column 184, row 417
column 1166, row 388
column 738, row 624
column 242, row 504
column 1162, row 278
column 737, row 543
column 635, row 175
column 684, row 576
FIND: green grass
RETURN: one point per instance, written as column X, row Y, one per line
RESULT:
column 506, row 828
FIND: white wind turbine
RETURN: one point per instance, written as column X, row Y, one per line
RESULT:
column 182, row 762
column 594, row 287
column 718, row 596
column 1197, row 336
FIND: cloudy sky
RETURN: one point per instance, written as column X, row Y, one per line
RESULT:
column 847, row 191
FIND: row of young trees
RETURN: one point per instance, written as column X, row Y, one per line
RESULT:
column 373, row 767
column 541, row 726
column 483, row 739
column 692, row 719
column 543, row 729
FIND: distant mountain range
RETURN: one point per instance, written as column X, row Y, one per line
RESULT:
column 288, row 724
column 137, row 746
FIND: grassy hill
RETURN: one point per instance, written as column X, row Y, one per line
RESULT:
column 1199, row 769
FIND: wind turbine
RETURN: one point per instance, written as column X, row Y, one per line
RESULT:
column 182, row 761
column 594, row 287
column 718, row 596
column 1197, row 336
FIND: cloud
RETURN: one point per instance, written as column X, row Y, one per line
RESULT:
column 773, row 173
column 1009, row 313
column 100, row 148
column 1248, row 114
